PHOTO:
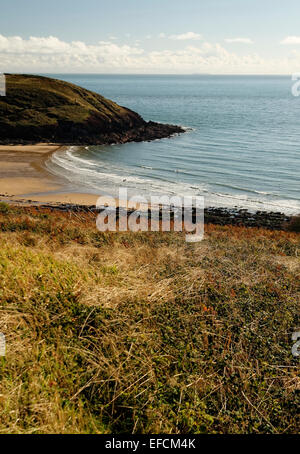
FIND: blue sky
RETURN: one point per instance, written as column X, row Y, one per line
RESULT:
column 150, row 36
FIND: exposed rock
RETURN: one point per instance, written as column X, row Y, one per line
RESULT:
column 212, row 215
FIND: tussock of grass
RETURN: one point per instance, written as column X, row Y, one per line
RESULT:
column 144, row 333
column 4, row 208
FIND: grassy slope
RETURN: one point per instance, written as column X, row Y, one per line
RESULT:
column 37, row 105
column 41, row 99
column 56, row 97
column 41, row 109
column 145, row 333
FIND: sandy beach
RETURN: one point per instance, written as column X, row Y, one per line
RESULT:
column 24, row 179
column 22, row 173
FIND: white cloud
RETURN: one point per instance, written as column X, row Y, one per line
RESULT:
column 239, row 40
column 186, row 36
column 17, row 45
column 52, row 55
column 291, row 40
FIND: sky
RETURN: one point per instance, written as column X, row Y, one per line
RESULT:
column 150, row 36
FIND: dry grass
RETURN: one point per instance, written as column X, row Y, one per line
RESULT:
column 144, row 333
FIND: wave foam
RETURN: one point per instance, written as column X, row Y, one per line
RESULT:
column 88, row 175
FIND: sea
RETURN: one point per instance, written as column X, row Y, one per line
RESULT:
column 241, row 148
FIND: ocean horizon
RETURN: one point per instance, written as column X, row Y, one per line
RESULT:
column 240, row 148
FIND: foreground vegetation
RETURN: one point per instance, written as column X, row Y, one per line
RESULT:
column 144, row 333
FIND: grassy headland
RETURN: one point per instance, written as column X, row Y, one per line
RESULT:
column 144, row 333
column 41, row 109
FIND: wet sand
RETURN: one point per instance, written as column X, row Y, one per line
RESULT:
column 22, row 170
column 23, row 177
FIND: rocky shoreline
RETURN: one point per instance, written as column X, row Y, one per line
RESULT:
column 212, row 215
column 242, row 217
column 75, row 136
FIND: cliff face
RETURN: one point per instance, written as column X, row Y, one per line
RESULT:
column 41, row 109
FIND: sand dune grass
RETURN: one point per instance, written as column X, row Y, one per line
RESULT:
column 144, row 333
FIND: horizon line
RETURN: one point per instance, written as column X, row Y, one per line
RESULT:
column 147, row 74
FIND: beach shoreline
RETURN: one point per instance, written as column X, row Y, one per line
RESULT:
column 25, row 181
column 24, row 177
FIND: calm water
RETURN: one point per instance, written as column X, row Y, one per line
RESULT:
column 243, row 148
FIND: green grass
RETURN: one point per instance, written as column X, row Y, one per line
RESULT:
column 4, row 208
column 144, row 333
column 42, row 108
